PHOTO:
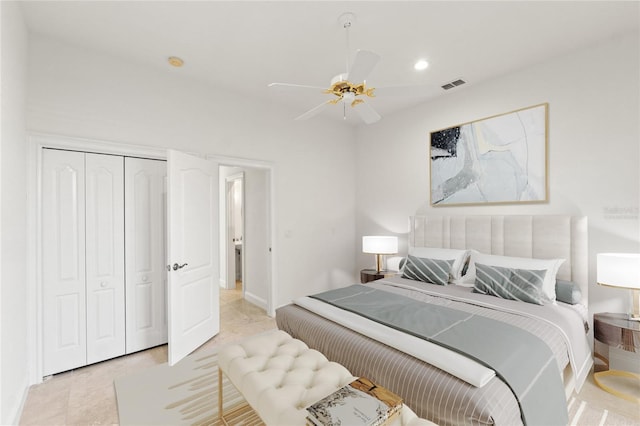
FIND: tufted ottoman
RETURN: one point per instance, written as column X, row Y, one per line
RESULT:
column 280, row 376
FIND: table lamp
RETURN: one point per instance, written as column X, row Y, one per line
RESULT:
column 621, row 270
column 379, row 245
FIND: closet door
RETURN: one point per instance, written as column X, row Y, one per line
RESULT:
column 63, row 261
column 146, row 276
column 105, row 257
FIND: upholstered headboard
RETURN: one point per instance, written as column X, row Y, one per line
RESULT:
column 541, row 236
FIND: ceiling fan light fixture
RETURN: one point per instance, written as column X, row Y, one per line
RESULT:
column 421, row 65
column 348, row 97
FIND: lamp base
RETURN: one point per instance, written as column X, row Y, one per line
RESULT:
column 379, row 266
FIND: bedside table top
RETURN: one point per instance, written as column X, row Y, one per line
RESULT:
column 382, row 272
column 617, row 330
column 368, row 275
column 617, row 320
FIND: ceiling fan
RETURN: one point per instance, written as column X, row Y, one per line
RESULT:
column 349, row 88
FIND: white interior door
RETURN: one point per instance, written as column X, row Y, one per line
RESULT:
column 193, row 305
column 104, row 226
column 63, row 271
column 146, row 276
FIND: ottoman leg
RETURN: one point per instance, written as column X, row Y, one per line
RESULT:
column 220, row 394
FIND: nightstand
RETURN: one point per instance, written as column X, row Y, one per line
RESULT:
column 617, row 331
column 367, row 275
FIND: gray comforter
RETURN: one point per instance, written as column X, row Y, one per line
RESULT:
column 431, row 392
column 536, row 383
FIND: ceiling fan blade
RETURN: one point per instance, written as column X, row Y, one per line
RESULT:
column 362, row 65
column 367, row 113
column 313, row 111
column 288, row 86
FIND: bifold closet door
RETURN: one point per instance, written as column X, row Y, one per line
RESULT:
column 146, row 276
column 83, row 259
column 104, row 177
column 63, row 261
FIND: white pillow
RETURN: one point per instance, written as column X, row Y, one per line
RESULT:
column 459, row 258
column 549, row 265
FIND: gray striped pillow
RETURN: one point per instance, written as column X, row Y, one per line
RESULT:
column 433, row 271
column 515, row 284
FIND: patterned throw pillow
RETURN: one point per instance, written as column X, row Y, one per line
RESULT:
column 460, row 258
column 433, row 271
column 515, row 284
column 551, row 266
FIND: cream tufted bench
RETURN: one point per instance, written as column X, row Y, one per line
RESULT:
column 280, row 377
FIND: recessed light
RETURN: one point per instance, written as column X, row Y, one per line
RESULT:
column 175, row 61
column 421, row 65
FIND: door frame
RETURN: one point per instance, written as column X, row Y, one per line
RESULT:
column 272, row 254
column 36, row 141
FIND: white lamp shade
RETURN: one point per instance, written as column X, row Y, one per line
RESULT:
column 380, row 245
column 619, row 270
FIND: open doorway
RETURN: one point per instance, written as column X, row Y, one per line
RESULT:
column 245, row 233
column 234, row 194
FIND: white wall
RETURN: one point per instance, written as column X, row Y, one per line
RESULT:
column 13, row 270
column 78, row 92
column 594, row 101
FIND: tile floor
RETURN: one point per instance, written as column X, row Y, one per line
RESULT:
column 86, row 396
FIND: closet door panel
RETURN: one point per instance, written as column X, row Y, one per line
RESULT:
column 63, row 260
column 145, row 223
column 105, row 257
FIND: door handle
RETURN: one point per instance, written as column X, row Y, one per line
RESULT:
column 176, row 266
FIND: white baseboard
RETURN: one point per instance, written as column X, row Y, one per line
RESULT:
column 259, row 301
column 16, row 411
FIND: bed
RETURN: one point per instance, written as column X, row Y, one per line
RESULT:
column 439, row 393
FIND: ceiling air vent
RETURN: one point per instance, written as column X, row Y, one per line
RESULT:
column 454, row 83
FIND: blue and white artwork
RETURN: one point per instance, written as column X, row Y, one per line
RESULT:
column 500, row 159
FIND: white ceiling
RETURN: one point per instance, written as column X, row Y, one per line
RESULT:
column 244, row 45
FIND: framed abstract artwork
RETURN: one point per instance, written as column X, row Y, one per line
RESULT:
column 496, row 160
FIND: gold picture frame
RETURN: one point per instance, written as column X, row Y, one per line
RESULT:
column 500, row 159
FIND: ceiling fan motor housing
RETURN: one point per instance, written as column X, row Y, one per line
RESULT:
column 340, row 86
